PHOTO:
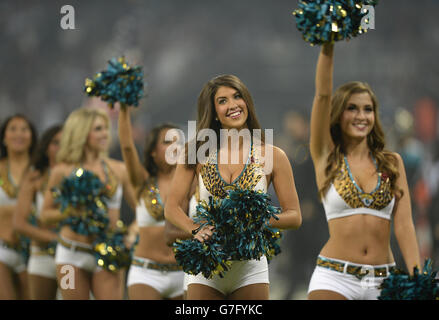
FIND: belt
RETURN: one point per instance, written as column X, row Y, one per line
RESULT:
column 74, row 246
column 38, row 251
column 358, row 271
column 156, row 266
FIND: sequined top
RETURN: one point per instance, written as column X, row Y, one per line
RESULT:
column 344, row 197
column 112, row 188
column 150, row 210
column 211, row 183
column 8, row 190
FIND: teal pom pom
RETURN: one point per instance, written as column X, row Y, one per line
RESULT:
column 120, row 82
column 242, row 232
column 23, row 247
column 326, row 21
column 402, row 286
column 110, row 251
column 207, row 258
column 83, row 190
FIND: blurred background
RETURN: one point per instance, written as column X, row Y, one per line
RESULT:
column 183, row 44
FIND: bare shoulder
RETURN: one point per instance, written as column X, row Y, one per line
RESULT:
column 398, row 158
column 267, row 149
column 278, row 153
column 117, row 166
column 61, row 169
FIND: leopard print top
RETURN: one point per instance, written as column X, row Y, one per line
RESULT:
column 352, row 194
column 248, row 179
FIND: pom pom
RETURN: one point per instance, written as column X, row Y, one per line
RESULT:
column 207, row 258
column 326, row 21
column 419, row 286
column 111, row 253
column 83, row 191
column 242, row 232
column 120, row 82
column 23, row 247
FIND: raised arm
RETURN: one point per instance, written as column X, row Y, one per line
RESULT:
column 403, row 222
column 128, row 191
column 136, row 171
column 321, row 142
column 24, row 207
column 283, row 183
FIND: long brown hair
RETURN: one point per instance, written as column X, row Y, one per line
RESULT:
column 386, row 161
column 150, row 144
column 206, row 107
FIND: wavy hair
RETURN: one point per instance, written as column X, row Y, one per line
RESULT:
column 40, row 159
column 75, row 133
column 206, row 107
column 150, row 144
column 386, row 161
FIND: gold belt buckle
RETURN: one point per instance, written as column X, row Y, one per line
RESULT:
column 364, row 271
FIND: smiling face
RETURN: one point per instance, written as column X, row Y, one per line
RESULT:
column 18, row 135
column 358, row 118
column 230, row 108
column 98, row 137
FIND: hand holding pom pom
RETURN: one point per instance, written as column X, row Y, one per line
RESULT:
column 237, row 229
column 419, row 286
column 119, row 83
column 326, row 21
column 82, row 189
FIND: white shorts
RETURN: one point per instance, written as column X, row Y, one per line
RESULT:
column 240, row 274
column 168, row 283
column 12, row 258
column 40, row 264
column 348, row 285
column 74, row 257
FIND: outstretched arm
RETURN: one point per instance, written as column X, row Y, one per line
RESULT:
column 321, row 142
column 136, row 171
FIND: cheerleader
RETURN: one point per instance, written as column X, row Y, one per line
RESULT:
column 154, row 273
column 225, row 103
column 84, row 145
column 17, row 142
column 363, row 188
column 41, row 267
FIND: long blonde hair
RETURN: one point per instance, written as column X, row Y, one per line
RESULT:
column 75, row 133
column 386, row 161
